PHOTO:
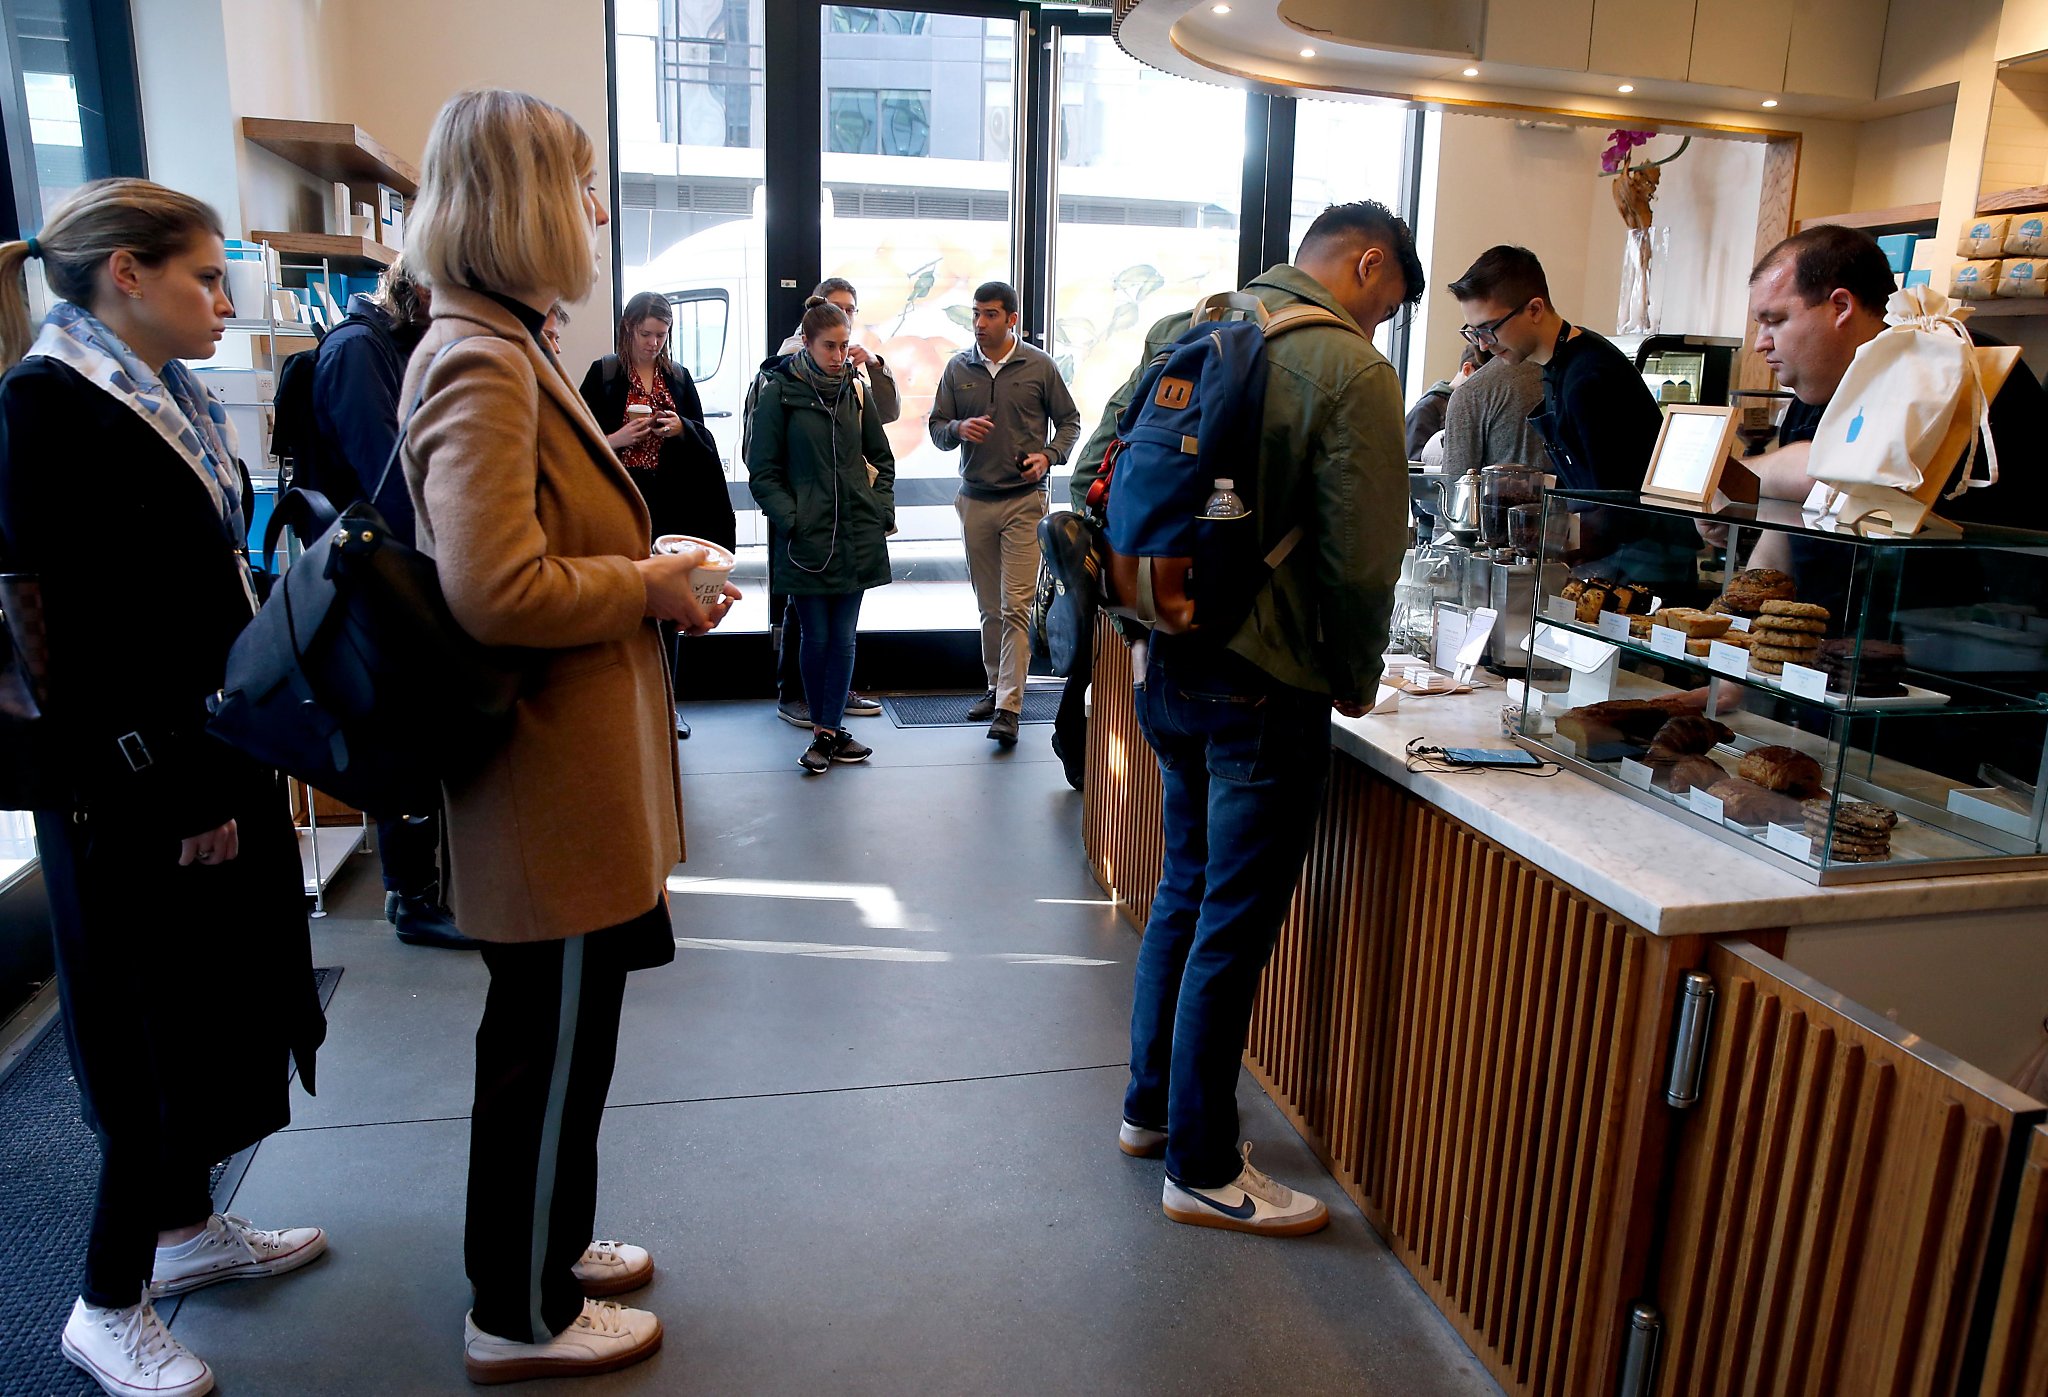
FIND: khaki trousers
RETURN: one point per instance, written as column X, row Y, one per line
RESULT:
column 1001, row 537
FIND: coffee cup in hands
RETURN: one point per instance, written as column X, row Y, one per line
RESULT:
column 712, row 565
column 670, row 596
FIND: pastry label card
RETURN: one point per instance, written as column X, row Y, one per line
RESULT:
column 1787, row 840
column 1805, row 682
column 1731, row 660
column 1635, row 773
column 1613, row 625
column 1738, row 623
column 1666, row 641
column 1560, row 609
column 1707, row 805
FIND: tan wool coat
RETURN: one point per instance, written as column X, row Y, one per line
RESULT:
column 575, row 825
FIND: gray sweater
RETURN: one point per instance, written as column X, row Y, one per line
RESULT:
column 1487, row 421
column 1032, row 411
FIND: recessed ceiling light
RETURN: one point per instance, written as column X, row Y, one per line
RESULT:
column 1471, row 72
column 1219, row 9
column 1626, row 87
column 1771, row 102
column 1308, row 53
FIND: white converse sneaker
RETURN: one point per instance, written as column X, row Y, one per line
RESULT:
column 1251, row 1202
column 129, row 1353
column 230, row 1249
column 604, row 1338
column 1141, row 1142
column 613, row 1268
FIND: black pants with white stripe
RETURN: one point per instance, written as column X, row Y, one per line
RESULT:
column 544, row 1055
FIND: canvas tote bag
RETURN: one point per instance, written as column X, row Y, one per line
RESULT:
column 1887, row 420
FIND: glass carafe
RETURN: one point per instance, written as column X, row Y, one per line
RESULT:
column 1501, row 488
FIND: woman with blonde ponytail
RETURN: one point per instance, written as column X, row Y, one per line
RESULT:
column 183, row 961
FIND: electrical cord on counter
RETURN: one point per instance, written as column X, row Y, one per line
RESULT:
column 1427, row 760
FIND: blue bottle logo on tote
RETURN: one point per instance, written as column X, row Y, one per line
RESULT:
column 1966, row 273
column 2022, row 271
column 2032, row 228
column 1980, row 231
column 1855, row 426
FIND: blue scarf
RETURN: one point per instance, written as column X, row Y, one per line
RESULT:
column 173, row 404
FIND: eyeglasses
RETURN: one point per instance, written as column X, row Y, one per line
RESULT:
column 1487, row 335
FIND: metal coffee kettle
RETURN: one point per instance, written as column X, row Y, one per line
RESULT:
column 1457, row 503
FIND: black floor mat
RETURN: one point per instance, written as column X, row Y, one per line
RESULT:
column 49, row 1168
column 950, row 710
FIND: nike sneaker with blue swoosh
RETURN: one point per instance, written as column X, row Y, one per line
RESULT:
column 1252, row 1202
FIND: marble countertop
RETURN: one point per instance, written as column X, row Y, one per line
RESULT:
column 1659, row 873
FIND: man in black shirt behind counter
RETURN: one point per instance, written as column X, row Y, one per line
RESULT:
column 1598, row 417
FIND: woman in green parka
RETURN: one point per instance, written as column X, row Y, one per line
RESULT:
column 822, row 472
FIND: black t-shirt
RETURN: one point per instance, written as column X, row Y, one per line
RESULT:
column 1597, row 417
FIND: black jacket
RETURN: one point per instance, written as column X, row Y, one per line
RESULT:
column 687, row 494
column 142, row 601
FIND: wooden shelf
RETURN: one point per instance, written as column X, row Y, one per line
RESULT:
column 334, row 150
column 1899, row 219
column 2033, row 196
column 2011, row 305
column 347, row 253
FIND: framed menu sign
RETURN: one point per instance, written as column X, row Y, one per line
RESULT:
column 1692, row 451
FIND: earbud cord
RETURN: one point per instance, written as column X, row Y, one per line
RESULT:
column 832, row 427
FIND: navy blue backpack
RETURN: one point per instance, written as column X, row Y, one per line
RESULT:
column 1195, row 420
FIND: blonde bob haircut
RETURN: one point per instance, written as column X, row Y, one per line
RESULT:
column 500, row 205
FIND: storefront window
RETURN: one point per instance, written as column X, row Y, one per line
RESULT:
column 1345, row 151
column 64, row 127
column 691, row 91
column 917, row 215
column 1138, row 235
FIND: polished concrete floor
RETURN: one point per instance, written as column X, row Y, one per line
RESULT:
column 866, row 1123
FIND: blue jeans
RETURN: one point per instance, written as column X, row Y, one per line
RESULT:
column 1242, row 759
column 825, row 653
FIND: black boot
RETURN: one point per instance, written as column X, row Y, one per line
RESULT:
column 422, row 920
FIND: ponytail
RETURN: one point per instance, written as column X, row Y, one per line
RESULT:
column 96, row 221
column 16, row 333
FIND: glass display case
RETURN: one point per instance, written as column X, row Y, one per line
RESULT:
column 1848, row 708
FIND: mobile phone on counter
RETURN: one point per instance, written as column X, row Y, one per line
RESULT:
column 1490, row 756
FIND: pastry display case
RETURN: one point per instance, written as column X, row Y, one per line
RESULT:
column 1849, row 708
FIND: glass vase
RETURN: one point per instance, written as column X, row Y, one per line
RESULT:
column 1641, row 311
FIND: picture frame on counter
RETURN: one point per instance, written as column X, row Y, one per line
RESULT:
column 1693, row 450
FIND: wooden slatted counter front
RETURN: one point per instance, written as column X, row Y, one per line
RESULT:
column 1480, row 1052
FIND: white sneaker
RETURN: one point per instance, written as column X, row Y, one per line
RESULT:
column 604, row 1338
column 1251, row 1202
column 129, row 1353
column 613, row 1268
column 1141, row 1142
column 230, row 1249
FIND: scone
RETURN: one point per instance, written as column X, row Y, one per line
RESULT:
column 1686, row 772
column 1747, row 803
column 1699, row 625
column 1783, row 769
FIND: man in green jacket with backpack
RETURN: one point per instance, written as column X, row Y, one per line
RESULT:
column 1241, row 721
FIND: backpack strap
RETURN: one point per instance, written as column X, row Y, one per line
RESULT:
column 610, row 369
column 1295, row 317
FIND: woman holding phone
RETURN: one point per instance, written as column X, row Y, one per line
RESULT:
column 652, row 416
column 824, row 475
